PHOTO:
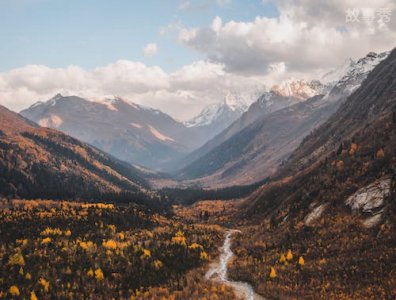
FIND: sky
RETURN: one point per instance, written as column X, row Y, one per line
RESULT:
column 179, row 55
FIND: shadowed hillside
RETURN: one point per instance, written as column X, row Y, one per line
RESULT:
column 44, row 163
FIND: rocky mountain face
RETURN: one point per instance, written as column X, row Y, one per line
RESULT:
column 38, row 162
column 333, row 198
column 349, row 160
column 130, row 132
column 249, row 151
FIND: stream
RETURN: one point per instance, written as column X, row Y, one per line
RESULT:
column 218, row 271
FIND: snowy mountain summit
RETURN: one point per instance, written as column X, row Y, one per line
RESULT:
column 348, row 77
column 299, row 89
column 227, row 111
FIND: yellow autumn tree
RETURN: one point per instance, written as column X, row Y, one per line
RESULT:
column 99, row 274
column 195, row 246
column 179, row 238
column 33, row 296
column 16, row 259
column 88, row 246
column 90, row 273
column 157, row 264
column 272, row 273
column 380, row 153
column 14, row 291
column 110, row 244
column 289, row 255
column 282, row 259
column 203, row 255
column 45, row 241
column 45, row 284
column 301, row 261
column 146, row 253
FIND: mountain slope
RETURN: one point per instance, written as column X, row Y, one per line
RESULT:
column 128, row 131
column 286, row 94
column 255, row 152
column 352, row 149
column 38, row 162
column 332, row 207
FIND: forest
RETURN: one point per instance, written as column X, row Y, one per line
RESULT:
column 69, row 250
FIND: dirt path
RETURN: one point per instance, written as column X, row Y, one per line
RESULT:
column 218, row 272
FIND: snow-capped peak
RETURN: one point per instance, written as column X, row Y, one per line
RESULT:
column 350, row 76
column 53, row 100
column 112, row 101
column 334, row 75
column 230, row 108
column 300, row 89
column 234, row 102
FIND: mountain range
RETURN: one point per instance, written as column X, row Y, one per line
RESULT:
column 227, row 144
column 132, row 132
column 255, row 145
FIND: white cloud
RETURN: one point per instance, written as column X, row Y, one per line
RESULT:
column 306, row 36
column 182, row 93
column 150, row 49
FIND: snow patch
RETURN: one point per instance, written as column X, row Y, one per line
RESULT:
column 371, row 196
column 52, row 121
column 53, row 100
column 136, row 125
column 110, row 102
column 38, row 103
column 159, row 135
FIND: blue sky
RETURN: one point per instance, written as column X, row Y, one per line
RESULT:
column 92, row 33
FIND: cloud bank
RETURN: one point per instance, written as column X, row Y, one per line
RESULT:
column 307, row 36
column 306, row 39
column 181, row 93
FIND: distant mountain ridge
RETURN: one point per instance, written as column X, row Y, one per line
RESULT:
column 131, row 132
column 254, row 146
column 128, row 131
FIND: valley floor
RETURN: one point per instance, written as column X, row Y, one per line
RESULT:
column 335, row 257
column 51, row 249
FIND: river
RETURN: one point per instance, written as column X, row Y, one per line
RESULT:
column 218, row 271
